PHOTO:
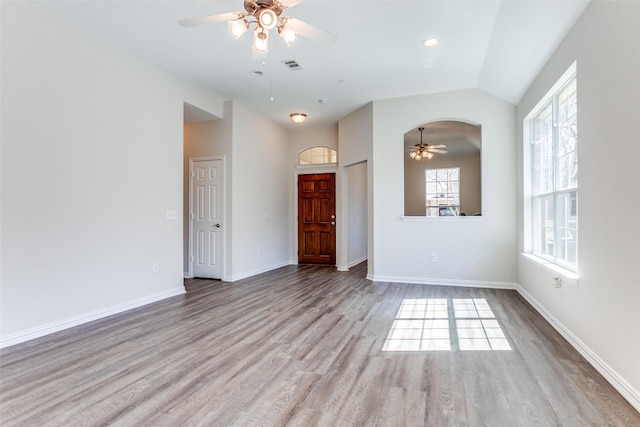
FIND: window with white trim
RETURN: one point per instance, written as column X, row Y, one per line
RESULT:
column 442, row 191
column 317, row 155
column 554, row 175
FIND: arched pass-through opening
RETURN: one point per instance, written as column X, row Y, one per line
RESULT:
column 442, row 169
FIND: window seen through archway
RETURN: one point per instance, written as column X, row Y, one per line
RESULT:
column 317, row 155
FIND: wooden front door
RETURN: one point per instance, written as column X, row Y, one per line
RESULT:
column 317, row 219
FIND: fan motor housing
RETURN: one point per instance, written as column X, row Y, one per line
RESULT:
column 254, row 6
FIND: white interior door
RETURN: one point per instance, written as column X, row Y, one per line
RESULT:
column 206, row 214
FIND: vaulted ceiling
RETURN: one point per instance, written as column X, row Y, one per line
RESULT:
column 497, row 46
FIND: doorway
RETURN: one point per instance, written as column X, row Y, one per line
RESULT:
column 317, row 219
column 206, row 214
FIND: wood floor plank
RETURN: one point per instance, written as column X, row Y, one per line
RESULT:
column 303, row 346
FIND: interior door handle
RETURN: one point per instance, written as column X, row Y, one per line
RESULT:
column 217, row 225
column 333, row 223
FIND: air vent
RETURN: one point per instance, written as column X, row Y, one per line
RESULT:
column 292, row 65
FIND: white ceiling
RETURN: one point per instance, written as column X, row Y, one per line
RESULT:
column 496, row 46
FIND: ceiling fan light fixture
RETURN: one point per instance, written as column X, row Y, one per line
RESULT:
column 422, row 150
column 267, row 19
column 287, row 35
column 238, row 28
column 298, row 117
column 260, row 40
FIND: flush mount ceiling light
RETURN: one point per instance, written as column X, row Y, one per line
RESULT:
column 425, row 151
column 431, row 42
column 298, row 117
column 266, row 15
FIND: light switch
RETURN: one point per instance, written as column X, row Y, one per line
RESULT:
column 172, row 215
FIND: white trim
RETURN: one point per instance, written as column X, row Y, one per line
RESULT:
column 351, row 264
column 623, row 387
column 356, row 262
column 40, row 331
column 569, row 74
column 568, row 276
column 444, row 282
column 470, row 218
column 256, row 271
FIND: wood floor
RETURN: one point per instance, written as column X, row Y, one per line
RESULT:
column 303, row 346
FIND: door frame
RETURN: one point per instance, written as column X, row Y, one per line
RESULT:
column 223, row 243
column 309, row 170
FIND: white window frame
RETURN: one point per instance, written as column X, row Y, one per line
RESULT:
column 318, row 155
column 453, row 207
column 555, row 193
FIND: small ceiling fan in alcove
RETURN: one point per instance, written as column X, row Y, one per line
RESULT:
column 266, row 15
column 425, row 151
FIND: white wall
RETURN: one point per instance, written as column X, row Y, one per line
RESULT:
column 91, row 162
column 303, row 138
column 260, row 199
column 602, row 313
column 266, row 241
column 472, row 250
column 355, row 136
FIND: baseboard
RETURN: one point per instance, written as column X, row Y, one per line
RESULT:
column 624, row 388
column 351, row 264
column 40, row 331
column 444, row 282
column 356, row 262
column 235, row 278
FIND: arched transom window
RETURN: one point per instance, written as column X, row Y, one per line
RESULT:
column 317, row 156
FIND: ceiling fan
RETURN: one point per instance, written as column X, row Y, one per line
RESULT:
column 267, row 15
column 422, row 150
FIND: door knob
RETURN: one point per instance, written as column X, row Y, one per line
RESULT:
column 216, row 226
column 333, row 223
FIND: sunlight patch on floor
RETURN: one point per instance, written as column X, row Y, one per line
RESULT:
column 443, row 324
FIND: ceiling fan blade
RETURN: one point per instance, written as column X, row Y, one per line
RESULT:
column 438, row 146
column 211, row 19
column 309, row 31
column 288, row 4
column 437, row 151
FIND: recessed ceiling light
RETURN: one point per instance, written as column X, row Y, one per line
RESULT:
column 431, row 42
column 256, row 73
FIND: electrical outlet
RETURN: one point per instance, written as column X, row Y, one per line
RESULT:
column 557, row 282
column 156, row 267
column 434, row 257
